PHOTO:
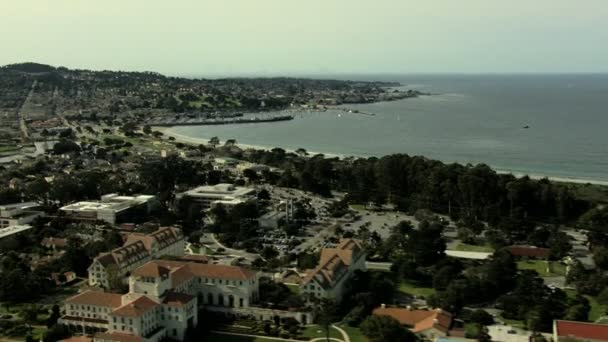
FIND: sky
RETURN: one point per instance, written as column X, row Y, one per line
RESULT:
column 276, row 37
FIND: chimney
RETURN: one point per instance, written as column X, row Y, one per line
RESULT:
column 383, row 306
column 408, row 308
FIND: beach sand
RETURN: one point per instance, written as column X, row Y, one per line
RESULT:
column 167, row 131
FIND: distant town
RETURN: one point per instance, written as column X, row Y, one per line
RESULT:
column 113, row 231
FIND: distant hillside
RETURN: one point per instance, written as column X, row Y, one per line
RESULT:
column 29, row 67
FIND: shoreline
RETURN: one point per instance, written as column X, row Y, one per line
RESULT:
column 166, row 130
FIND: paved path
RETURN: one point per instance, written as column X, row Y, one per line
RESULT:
column 278, row 338
column 344, row 334
column 232, row 251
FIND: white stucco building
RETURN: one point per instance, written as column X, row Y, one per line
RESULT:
column 336, row 267
column 163, row 301
column 137, row 250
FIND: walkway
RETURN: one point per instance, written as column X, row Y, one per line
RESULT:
column 344, row 334
column 345, row 337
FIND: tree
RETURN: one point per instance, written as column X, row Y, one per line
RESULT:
column 385, row 328
column 482, row 317
column 602, row 297
column 55, row 315
column 214, row 141
column 324, row 313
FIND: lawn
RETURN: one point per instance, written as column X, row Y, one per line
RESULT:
column 514, row 322
column 415, row 288
column 357, row 207
column 9, row 148
column 355, row 334
column 597, row 310
column 540, row 266
column 293, row 288
column 213, row 337
column 465, row 247
column 314, row 331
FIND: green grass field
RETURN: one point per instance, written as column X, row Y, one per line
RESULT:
column 556, row 269
column 596, row 311
column 213, row 337
column 9, row 148
column 355, row 334
column 415, row 288
column 293, row 288
column 314, row 331
column 474, row 248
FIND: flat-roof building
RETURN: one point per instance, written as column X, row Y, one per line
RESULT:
column 211, row 195
column 19, row 214
column 112, row 208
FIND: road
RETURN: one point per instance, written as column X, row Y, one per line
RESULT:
column 21, row 115
column 209, row 239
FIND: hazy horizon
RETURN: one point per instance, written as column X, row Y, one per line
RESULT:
column 315, row 38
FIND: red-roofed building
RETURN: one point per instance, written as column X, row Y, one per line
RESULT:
column 529, row 252
column 579, row 331
column 137, row 250
column 336, row 266
column 428, row 323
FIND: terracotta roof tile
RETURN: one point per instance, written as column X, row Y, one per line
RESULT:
column 529, row 251
column 177, row 299
column 582, row 330
column 136, row 308
column 211, row 270
column 418, row 320
column 89, row 297
column 151, row 270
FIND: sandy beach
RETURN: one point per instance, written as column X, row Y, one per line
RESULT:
column 167, row 131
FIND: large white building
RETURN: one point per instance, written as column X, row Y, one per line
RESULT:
column 209, row 196
column 137, row 250
column 19, row 214
column 336, row 267
column 111, row 208
column 163, row 301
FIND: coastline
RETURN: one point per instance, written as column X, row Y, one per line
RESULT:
column 166, row 130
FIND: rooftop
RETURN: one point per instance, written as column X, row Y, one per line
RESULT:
column 219, row 191
column 418, row 320
column 136, row 308
column 111, row 300
column 8, row 231
column 582, row 330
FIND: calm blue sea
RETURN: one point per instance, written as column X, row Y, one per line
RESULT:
column 470, row 119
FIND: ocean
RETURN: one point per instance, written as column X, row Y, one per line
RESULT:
column 468, row 119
